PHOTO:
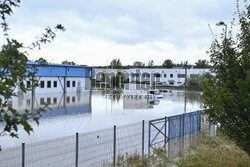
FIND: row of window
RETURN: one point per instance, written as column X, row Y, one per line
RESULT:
column 49, row 100
column 159, row 75
column 165, row 75
column 49, row 85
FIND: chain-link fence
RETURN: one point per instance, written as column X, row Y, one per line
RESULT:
column 103, row 146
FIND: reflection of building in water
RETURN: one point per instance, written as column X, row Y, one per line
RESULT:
column 143, row 103
column 59, row 103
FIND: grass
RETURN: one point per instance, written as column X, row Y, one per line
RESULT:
column 216, row 151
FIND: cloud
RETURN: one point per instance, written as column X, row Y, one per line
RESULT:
column 130, row 30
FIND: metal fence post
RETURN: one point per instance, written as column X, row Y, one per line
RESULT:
column 76, row 163
column 23, row 154
column 114, row 147
column 200, row 121
column 143, row 124
column 169, row 134
column 183, row 124
column 165, row 131
column 197, row 120
column 190, row 117
column 149, row 133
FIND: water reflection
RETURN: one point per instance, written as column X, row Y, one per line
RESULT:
column 88, row 111
column 58, row 103
column 138, row 103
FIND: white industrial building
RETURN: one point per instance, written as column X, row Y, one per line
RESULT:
column 159, row 76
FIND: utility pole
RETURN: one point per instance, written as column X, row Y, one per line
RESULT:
column 185, row 100
column 185, row 103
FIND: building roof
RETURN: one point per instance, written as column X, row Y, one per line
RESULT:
column 60, row 70
column 53, row 64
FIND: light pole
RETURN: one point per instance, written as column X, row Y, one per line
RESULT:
column 221, row 23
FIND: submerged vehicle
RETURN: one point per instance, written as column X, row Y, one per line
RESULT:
column 156, row 93
column 165, row 91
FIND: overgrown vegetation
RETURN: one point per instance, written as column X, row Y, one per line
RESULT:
column 216, row 151
column 227, row 94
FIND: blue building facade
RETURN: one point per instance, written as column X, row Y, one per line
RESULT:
column 57, row 78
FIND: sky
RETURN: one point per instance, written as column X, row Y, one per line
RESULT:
column 98, row 31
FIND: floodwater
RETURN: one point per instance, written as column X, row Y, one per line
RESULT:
column 88, row 111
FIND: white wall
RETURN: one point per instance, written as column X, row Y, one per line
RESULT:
column 163, row 80
column 81, row 84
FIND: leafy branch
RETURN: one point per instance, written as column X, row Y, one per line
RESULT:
column 14, row 71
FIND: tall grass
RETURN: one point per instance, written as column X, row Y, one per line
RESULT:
column 216, row 151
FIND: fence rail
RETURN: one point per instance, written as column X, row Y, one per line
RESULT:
column 103, row 146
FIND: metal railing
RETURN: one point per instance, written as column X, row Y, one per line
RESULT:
column 102, row 146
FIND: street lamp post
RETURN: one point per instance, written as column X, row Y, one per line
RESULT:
column 221, row 23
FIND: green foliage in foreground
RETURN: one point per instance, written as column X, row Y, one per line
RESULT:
column 14, row 70
column 227, row 94
column 216, row 151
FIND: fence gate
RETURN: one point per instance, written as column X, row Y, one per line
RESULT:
column 157, row 131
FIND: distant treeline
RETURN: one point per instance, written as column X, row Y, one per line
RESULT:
column 116, row 64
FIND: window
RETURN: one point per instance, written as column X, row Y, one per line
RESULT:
column 146, row 75
column 55, row 84
column 48, row 84
column 74, row 84
column 171, row 82
column 181, row 75
column 42, row 84
column 55, row 100
column 42, row 101
column 73, row 99
column 157, row 75
column 68, row 84
column 165, row 75
column 171, row 75
column 48, row 100
column 28, row 84
column 135, row 74
column 68, row 99
column 179, row 82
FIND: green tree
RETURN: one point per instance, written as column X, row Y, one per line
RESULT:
column 14, row 70
column 227, row 94
column 115, row 63
column 68, row 62
column 138, row 64
column 202, row 64
column 168, row 64
column 41, row 61
column 151, row 63
column 195, row 81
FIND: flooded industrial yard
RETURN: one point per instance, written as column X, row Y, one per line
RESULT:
column 88, row 111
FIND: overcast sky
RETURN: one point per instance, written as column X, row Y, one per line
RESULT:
column 132, row 30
